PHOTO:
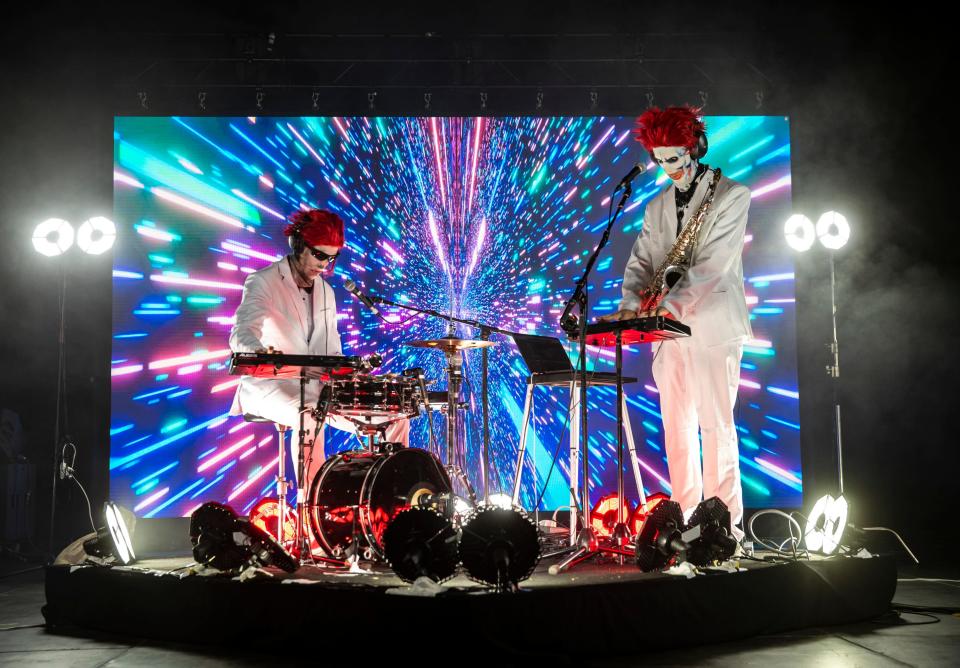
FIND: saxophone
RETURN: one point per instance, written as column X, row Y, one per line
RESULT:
column 677, row 261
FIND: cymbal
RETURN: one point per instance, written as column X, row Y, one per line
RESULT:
column 450, row 345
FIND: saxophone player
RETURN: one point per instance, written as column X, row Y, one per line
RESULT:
column 697, row 377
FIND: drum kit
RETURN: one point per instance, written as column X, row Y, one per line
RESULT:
column 354, row 495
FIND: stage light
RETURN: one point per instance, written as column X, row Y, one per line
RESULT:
column 659, row 542
column 708, row 532
column 265, row 515
column 499, row 547
column 420, row 542
column 825, row 524
column 53, row 237
column 96, row 235
column 500, row 501
column 603, row 517
column 833, row 230
column 224, row 541
column 799, row 232
column 641, row 512
column 113, row 540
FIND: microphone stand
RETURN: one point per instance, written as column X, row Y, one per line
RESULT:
column 587, row 544
column 485, row 332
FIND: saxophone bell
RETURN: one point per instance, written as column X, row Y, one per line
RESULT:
column 671, row 275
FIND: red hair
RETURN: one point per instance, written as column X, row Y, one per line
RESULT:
column 673, row 126
column 316, row 227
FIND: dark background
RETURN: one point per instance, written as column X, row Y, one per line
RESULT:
column 872, row 131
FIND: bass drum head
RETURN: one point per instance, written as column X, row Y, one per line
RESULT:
column 392, row 485
column 334, row 498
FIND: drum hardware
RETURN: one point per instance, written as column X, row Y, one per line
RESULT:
column 454, row 344
column 417, row 374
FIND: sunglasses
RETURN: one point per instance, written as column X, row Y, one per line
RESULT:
column 323, row 257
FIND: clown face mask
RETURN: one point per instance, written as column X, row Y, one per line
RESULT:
column 677, row 163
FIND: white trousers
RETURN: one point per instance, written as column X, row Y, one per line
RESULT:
column 698, row 388
column 282, row 405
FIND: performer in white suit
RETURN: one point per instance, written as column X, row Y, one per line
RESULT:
column 697, row 377
column 289, row 307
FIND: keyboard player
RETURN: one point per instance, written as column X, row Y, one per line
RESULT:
column 289, row 306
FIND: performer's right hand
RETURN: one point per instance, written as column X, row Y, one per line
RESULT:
column 269, row 350
column 622, row 314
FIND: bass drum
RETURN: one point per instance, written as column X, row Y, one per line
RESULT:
column 356, row 494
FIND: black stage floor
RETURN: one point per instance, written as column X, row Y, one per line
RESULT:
column 594, row 609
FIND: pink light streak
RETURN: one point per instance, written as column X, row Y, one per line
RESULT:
column 651, row 388
column 307, row 145
column 394, row 254
column 120, row 177
column 343, row 130
column 177, row 280
column 570, row 194
column 770, row 187
column 240, row 425
column 187, row 370
column 223, row 454
column 596, row 146
column 153, row 233
column 753, row 385
column 337, row 189
column 759, row 343
column 663, row 481
column 233, row 247
column 126, row 370
column 165, row 194
column 259, row 474
column 185, row 359
column 435, row 235
column 262, row 207
column 226, row 385
column 223, row 320
column 436, row 152
column 481, row 236
column 265, row 181
column 228, row 266
column 473, row 171
column 153, row 498
column 778, row 470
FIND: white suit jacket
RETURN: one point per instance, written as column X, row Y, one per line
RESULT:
column 710, row 297
column 272, row 313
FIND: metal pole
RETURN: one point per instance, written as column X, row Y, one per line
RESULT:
column 834, row 371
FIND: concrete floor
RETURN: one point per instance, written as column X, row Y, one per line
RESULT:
column 905, row 640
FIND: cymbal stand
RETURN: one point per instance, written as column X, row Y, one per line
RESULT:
column 485, row 332
column 588, row 544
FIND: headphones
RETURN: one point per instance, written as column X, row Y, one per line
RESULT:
column 296, row 244
column 697, row 152
column 700, row 149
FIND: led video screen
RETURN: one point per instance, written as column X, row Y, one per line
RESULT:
column 491, row 219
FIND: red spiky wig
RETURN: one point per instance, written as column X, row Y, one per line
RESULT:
column 316, row 227
column 673, row 126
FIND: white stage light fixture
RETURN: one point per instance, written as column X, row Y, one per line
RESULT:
column 96, row 235
column 799, row 232
column 826, row 524
column 833, row 230
column 501, row 501
column 122, row 542
column 53, row 237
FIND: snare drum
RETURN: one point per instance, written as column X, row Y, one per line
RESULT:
column 358, row 494
column 366, row 395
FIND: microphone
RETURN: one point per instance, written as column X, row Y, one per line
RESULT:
column 355, row 291
column 372, row 361
column 637, row 170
